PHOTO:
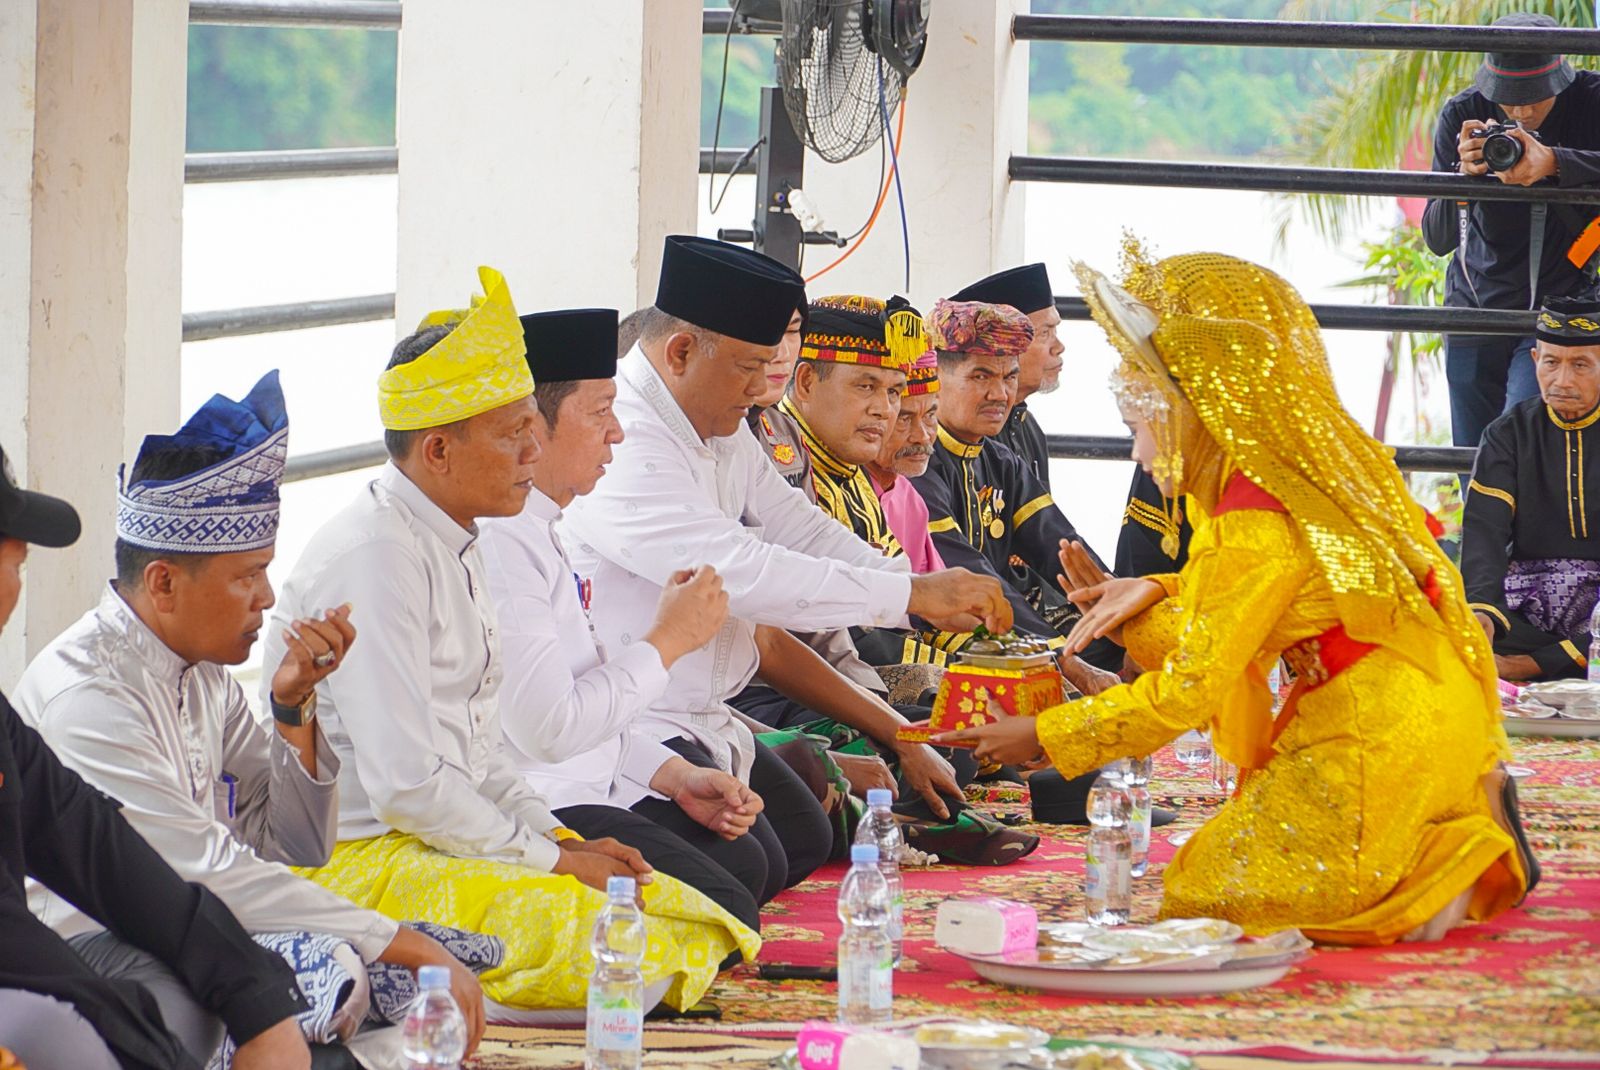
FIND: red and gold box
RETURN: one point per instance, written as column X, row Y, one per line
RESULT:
column 979, row 689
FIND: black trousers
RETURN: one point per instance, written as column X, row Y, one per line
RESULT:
column 790, row 839
column 727, row 877
column 762, row 703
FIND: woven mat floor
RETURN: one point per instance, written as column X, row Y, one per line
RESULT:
column 1523, row 990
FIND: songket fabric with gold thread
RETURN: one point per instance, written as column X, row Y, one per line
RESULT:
column 480, row 365
column 545, row 920
column 1361, row 811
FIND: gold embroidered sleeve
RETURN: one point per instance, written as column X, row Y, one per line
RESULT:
column 1153, row 633
column 1230, row 594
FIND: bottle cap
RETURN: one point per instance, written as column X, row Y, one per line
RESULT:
column 620, row 887
column 880, row 797
column 432, row 977
column 864, row 852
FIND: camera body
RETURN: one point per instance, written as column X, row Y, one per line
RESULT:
column 1502, row 151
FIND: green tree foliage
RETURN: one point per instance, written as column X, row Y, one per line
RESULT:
column 1173, row 101
column 268, row 88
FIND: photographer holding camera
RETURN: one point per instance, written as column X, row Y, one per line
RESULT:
column 1528, row 118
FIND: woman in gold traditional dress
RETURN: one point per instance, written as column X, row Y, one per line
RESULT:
column 1374, row 807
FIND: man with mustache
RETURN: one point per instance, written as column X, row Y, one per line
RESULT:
column 137, row 698
column 906, row 453
column 1530, row 538
column 1026, row 289
column 986, row 504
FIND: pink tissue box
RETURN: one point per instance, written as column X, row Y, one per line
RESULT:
column 828, row 1046
column 986, row 926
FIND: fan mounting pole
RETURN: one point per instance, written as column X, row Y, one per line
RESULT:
column 780, row 167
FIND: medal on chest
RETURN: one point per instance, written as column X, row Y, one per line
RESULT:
column 992, row 502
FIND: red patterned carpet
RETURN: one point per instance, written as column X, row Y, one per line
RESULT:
column 1523, row 990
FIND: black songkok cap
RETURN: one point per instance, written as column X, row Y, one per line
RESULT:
column 1569, row 321
column 34, row 517
column 727, row 289
column 572, row 344
column 1025, row 288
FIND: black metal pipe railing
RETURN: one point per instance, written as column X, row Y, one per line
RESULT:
column 1115, row 448
column 296, row 316
column 720, row 162
column 1062, row 447
column 334, row 462
column 340, row 14
column 1378, row 36
column 715, row 20
column 289, row 163
column 1411, row 318
column 1287, row 179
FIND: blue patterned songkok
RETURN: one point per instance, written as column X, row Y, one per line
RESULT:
column 228, row 506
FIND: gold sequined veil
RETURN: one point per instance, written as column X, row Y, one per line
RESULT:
column 1235, row 344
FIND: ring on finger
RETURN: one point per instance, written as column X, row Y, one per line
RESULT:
column 324, row 659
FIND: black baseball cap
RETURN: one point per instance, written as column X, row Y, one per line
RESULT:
column 1523, row 77
column 34, row 517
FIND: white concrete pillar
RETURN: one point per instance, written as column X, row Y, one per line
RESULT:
column 555, row 141
column 966, row 114
column 92, row 364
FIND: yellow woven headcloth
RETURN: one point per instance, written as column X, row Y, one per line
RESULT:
column 481, row 365
column 1243, row 349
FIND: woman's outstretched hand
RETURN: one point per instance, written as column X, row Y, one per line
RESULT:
column 1078, row 567
column 1008, row 741
column 1107, row 606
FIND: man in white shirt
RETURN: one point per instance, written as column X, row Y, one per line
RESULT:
column 137, row 698
column 436, row 821
column 566, row 705
column 690, row 486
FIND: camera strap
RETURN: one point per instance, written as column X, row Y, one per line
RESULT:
column 1537, row 213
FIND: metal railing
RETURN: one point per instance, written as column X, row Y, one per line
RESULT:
column 1405, row 318
column 1135, row 30
column 334, row 462
column 1368, row 36
column 1307, row 180
column 1287, row 179
column 1117, row 448
column 295, row 316
column 288, row 163
column 324, row 14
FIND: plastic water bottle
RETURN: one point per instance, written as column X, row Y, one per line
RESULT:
column 879, row 828
column 1594, row 645
column 1193, row 749
column 866, row 954
column 434, row 1036
column 1136, row 781
column 1108, row 858
column 616, row 989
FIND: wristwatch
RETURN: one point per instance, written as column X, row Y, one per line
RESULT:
column 294, row 716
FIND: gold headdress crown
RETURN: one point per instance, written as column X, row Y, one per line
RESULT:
column 1236, row 348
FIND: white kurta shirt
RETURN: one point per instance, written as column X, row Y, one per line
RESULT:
column 565, row 706
column 671, row 501
column 413, row 709
column 223, row 798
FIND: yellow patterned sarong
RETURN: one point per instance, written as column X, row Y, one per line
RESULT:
column 545, row 920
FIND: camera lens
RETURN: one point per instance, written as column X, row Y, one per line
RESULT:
column 1501, row 152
